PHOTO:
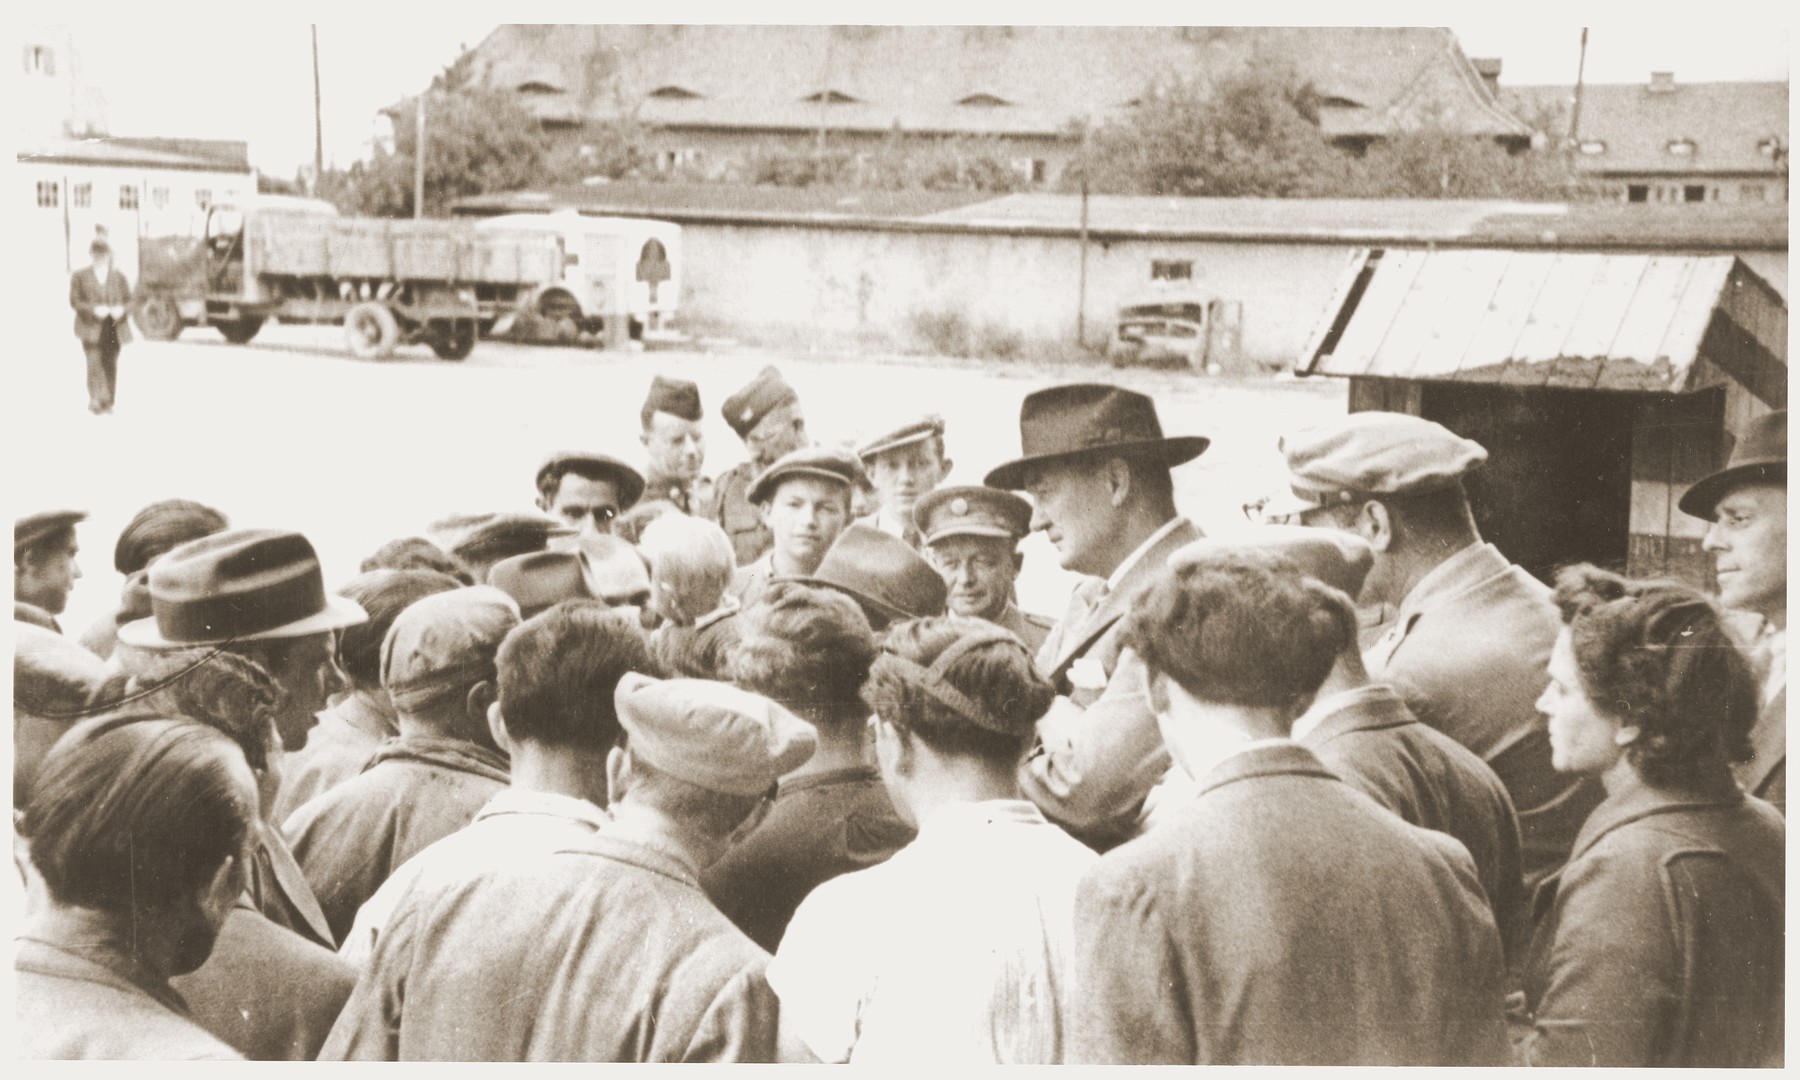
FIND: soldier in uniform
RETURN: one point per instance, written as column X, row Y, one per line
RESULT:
column 904, row 465
column 44, row 569
column 972, row 536
column 675, row 447
column 766, row 415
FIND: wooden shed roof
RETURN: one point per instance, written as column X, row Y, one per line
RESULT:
column 1654, row 323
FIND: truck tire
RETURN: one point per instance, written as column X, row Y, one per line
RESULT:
column 452, row 339
column 240, row 331
column 371, row 330
column 158, row 319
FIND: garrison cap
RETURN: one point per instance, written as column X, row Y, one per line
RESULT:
column 1368, row 454
column 32, row 528
column 677, row 397
column 445, row 643
column 764, row 394
column 972, row 510
column 1339, row 559
column 926, row 427
column 630, row 482
column 824, row 462
column 711, row 734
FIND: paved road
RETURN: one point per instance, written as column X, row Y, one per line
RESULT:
column 290, row 431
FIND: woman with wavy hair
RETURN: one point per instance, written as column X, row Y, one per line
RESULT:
column 1661, row 941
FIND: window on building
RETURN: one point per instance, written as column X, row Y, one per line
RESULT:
column 1171, row 270
column 1770, row 147
column 81, row 196
column 1752, row 192
column 1693, row 193
column 159, row 198
column 203, row 197
column 128, row 197
column 1682, row 147
column 48, row 194
column 40, row 60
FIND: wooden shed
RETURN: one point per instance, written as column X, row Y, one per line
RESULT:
column 1602, row 385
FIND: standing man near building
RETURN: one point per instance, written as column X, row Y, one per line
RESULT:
column 101, row 297
column 904, row 465
column 1747, row 505
column 972, row 535
column 675, row 447
column 1470, row 646
column 766, row 415
column 1096, row 463
column 44, row 568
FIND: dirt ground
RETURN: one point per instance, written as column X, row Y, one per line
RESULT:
column 290, row 431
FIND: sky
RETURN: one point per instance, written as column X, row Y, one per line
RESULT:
column 213, row 74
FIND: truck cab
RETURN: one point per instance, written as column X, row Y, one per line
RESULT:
column 620, row 276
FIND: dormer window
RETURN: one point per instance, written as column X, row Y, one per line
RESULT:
column 538, row 86
column 984, row 100
column 830, row 97
column 1682, row 147
column 1593, row 146
column 674, row 93
column 1769, row 147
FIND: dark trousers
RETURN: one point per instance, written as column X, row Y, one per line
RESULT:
column 102, row 368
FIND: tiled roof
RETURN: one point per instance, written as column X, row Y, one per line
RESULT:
column 1725, row 120
column 913, row 77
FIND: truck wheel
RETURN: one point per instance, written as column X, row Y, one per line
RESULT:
column 453, row 340
column 371, row 330
column 240, row 331
column 158, row 318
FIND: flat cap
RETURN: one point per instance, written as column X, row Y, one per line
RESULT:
column 499, row 536
column 445, row 643
column 711, row 734
column 926, row 427
column 160, row 527
column 539, row 580
column 628, row 480
column 31, row 528
column 677, row 397
column 824, row 462
column 764, row 394
column 1370, row 454
column 972, row 510
column 1337, row 558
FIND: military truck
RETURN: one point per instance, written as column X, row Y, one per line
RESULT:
column 388, row 282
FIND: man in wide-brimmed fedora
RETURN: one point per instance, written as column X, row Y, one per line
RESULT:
column 881, row 572
column 1747, row 505
column 1096, row 464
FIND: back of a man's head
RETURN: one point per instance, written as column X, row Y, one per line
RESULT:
column 558, row 671
column 384, row 594
column 809, row 649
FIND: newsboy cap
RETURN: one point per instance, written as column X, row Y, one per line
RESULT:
column 972, row 510
column 926, row 427
column 33, row 528
column 762, row 396
column 677, row 397
column 824, row 462
column 711, row 734
column 1760, row 457
column 445, row 643
column 1080, row 420
column 1369, row 454
column 1339, row 559
column 240, row 585
column 161, row 526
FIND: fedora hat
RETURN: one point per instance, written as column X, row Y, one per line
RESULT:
column 882, row 573
column 539, row 580
column 241, row 585
column 1082, row 419
column 1760, row 457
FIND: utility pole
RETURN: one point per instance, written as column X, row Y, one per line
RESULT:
column 1081, row 280
column 1575, row 114
column 419, row 162
column 318, row 120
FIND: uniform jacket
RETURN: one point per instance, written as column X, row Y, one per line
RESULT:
column 1662, row 941
column 339, row 745
column 86, row 292
column 1283, row 918
column 267, row 991
column 1372, row 741
column 741, row 520
column 695, row 497
column 415, row 791
column 821, row 825
column 1100, row 758
column 1031, row 629
column 1469, row 652
column 72, row 1006
column 609, row 952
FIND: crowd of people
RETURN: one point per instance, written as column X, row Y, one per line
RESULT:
column 775, row 768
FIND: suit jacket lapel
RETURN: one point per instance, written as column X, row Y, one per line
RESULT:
column 1768, row 740
column 1094, row 625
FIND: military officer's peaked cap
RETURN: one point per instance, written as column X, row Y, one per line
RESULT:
column 711, row 734
column 1369, row 454
column 765, row 393
column 972, row 510
column 677, row 397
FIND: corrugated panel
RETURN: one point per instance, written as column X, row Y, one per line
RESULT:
column 1554, row 319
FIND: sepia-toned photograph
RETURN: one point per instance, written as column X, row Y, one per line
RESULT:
column 915, row 544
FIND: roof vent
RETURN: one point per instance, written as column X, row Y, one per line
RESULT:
column 1662, row 82
column 676, row 93
column 538, row 86
column 984, row 99
column 830, row 97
